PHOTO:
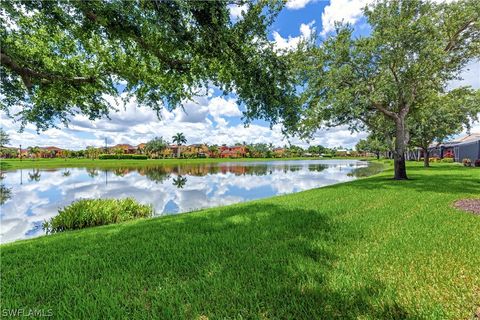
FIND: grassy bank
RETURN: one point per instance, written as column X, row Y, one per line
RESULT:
column 10, row 164
column 368, row 249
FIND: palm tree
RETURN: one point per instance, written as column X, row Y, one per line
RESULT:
column 34, row 151
column 179, row 139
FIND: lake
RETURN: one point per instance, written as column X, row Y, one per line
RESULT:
column 31, row 196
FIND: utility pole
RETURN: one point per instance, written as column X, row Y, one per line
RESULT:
column 20, row 153
column 106, row 148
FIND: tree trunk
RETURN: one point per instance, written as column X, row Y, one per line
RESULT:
column 399, row 155
column 426, row 158
column 378, row 155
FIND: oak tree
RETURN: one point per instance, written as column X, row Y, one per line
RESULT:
column 414, row 48
column 61, row 58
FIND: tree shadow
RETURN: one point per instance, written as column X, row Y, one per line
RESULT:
column 422, row 180
column 250, row 261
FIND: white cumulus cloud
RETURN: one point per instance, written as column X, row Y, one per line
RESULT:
column 346, row 11
column 289, row 43
column 236, row 11
column 296, row 4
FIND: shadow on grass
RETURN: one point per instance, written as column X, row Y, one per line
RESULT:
column 278, row 262
column 434, row 179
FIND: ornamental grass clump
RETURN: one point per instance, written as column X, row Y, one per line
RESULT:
column 96, row 212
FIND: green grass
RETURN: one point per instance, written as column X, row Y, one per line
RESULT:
column 368, row 249
column 10, row 164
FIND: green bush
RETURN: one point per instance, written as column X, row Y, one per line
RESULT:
column 123, row 156
column 447, row 160
column 327, row 155
column 96, row 212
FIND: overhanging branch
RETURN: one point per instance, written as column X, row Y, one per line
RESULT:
column 29, row 75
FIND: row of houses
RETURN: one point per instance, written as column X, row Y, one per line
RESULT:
column 198, row 150
column 467, row 147
column 42, row 152
column 458, row 149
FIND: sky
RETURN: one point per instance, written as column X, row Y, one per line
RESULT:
column 216, row 119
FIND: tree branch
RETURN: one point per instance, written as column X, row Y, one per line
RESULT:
column 27, row 74
column 453, row 40
column 386, row 112
column 380, row 107
column 135, row 35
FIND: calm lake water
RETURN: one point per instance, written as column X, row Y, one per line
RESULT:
column 31, row 196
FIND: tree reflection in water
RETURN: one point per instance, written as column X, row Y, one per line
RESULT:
column 34, row 175
column 361, row 172
column 179, row 182
column 92, row 172
column 5, row 192
column 161, row 173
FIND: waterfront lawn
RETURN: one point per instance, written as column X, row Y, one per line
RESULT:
column 368, row 249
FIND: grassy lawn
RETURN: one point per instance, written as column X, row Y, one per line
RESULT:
column 7, row 164
column 368, row 249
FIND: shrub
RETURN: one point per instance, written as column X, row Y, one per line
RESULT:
column 447, row 160
column 96, row 212
column 477, row 163
column 123, row 156
column 434, row 159
column 327, row 155
column 467, row 162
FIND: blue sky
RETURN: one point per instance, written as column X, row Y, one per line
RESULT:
column 215, row 118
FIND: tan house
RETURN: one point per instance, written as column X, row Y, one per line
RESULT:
column 126, row 148
column 51, row 152
column 279, row 152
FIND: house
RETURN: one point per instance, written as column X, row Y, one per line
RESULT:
column 24, row 153
column 176, row 150
column 279, row 152
column 196, row 150
column 342, row 153
column 51, row 152
column 232, row 152
column 461, row 148
column 126, row 148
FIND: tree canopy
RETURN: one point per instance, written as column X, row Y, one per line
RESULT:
column 60, row 58
column 372, row 144
column 4, row 138
column 414, row 48
column 156, row 145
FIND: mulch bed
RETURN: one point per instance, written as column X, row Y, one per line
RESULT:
column 470, row 205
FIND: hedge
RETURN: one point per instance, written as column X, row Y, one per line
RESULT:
column 123, row 156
